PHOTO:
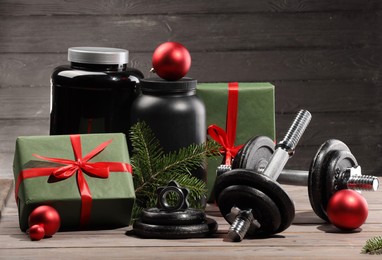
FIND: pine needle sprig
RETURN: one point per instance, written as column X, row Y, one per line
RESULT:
column 153, row 168
column 146, row 150
column 373, row 246
column 184, row 160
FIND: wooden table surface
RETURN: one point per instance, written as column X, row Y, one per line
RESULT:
column 307, row 237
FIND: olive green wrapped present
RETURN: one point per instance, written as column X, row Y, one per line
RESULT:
column 236, row 112
column 86, row 178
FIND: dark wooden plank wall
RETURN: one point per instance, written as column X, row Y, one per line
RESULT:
column 322, row 55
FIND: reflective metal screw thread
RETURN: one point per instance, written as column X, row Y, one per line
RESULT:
column 222, row 169
column 296, row 130
column 285, row 149
column 363, row 182
column 240, row 225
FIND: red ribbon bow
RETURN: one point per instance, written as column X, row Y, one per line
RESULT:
column 80, row 166
column 227, row 138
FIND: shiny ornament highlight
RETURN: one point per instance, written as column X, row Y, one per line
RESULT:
column 43, row 220
column 171, row 61
column 347, row 209
column 36, row 232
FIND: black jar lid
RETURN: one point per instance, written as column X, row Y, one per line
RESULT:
column 161, row 85
column 98, row 55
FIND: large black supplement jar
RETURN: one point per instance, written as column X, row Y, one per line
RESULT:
column 173, row 112
column 94, row 93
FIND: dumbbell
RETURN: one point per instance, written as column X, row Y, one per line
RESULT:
column 333, row 168
column 255, row 204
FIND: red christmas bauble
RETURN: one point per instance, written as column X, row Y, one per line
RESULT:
column 36, row 232
column 347, row 209
column 47, row 217
column 171, row 61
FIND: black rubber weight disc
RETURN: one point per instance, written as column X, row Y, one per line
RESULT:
column 255, row 154
column 264, row 210
column 317, row 177
column 263, row 183
column 336, row 161
column 208, row 227
column 187, row 217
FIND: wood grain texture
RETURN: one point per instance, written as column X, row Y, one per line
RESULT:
column 122, row 7
column 307, row 237
column 245, row 66
column 5, row 190
column 199, row 32
column 350, row 96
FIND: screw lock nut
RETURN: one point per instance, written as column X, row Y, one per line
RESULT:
column 352, row 178
column 240, row 225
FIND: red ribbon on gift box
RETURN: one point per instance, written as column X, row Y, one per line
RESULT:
column 227, row 138
column 78, row 166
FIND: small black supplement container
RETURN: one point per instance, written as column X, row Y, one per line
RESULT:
column 173, row 112
column 94, row 93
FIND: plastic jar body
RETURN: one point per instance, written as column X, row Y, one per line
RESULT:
column 173, row 112
column 92, row 98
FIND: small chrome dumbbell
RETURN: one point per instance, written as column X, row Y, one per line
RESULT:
column 333, row 168
column 255, row 204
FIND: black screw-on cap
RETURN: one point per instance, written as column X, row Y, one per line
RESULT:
column 160, row 85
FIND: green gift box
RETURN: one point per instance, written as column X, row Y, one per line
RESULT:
column 243, row 110
column 86, row 178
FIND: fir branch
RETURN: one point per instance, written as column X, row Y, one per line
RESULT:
column 152, row 168
column 373, row 246
column 150, row 161
column 146, row 150
column 185, row 160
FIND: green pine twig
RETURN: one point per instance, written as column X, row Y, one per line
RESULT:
column 146, row 150
column 153, row 168
column 184, row 160
column 373, row 246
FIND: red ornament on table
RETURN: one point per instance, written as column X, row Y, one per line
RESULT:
column 171, row 61
column 36, row 232
column 347, row 209
column 44, row 221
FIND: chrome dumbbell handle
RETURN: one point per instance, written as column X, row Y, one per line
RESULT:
column 293, row 177
column 351, row 178
column 285, row 149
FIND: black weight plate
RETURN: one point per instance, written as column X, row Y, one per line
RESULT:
column 263, row 183
column 336, row 161
column 187, row 217
column 208, row 227
column 317, row 177
column 264, row 210
column 255, row 154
